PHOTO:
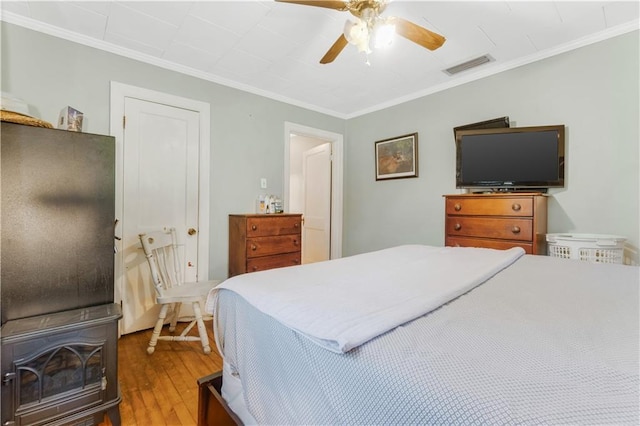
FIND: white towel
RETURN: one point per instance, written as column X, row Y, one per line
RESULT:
column 343, row 303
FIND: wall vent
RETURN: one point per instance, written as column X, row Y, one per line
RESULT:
column 481, row 60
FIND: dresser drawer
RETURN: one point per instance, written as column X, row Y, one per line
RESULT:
column 270, row 262
column 276, row 225
column 488, row 227
column 493, row 244
column 265, row 246
column 507, row 206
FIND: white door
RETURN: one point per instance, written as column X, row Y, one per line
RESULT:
column 316, row 175
column 293, row 198
column 160, row 190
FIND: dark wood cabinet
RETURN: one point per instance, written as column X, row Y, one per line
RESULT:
column 58, row 207
column 258, row 242
column 499, row 221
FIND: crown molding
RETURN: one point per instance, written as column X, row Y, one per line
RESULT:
column 58, row 32
column 494, row 68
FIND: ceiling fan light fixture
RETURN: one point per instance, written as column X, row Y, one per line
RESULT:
column 384, row 33
column 370, row 29
column 357, row 33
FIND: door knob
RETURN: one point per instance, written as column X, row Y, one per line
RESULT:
column 191, row 231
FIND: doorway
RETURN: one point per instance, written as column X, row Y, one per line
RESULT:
column 163, row 183
column 304, row 150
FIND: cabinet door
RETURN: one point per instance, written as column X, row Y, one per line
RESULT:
column 507, row 228
column 277, row 225
column 517, row 206
column 264, row 246
column 270, row 262
column 486, row 243
column 57, row 208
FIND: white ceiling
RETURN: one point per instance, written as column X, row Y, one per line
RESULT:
column 274, row 49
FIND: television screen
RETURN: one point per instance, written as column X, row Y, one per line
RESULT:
column 516, row 157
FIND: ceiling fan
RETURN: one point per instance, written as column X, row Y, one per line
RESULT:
column 371, row 28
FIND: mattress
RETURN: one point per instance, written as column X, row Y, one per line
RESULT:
column 546, row 340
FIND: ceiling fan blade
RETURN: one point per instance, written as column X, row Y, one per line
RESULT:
column 418, row 34
column 329, row 4
column 334, row 50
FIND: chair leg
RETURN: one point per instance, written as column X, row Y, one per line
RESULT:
column 202, row 330
column 174, row 318
column 157, row 329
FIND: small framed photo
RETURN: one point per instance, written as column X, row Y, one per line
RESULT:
column 70, row 119
column 397, row 158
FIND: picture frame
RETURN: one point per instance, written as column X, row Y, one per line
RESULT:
column 397, row 158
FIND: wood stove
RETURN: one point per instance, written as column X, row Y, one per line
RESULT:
column 61, row 368
column 59, row 323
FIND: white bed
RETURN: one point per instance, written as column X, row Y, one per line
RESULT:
column 506, row 338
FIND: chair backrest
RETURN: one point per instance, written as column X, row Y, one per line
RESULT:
column 161, row 250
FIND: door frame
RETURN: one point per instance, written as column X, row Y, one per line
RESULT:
column 337, row 142
column 118, row 93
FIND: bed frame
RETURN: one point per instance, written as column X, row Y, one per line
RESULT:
column 212, row 409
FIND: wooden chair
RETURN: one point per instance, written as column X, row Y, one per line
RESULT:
column 161, row 250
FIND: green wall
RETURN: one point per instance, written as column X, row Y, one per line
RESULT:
column 247, row 130
column 593, row 90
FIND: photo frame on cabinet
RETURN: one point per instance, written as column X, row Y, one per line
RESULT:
column 397, row 158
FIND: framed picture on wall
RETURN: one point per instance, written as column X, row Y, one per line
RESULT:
column 397, row 157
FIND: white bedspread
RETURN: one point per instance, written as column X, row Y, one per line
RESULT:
column 346, row 302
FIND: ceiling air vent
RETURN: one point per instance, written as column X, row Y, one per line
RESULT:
column 469, row 64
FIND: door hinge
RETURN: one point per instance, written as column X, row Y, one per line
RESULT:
column 124, row 121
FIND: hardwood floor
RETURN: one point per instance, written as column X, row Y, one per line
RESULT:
column 161, row 389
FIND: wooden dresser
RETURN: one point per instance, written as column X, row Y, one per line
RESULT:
column 497, row 221
column 264, row 241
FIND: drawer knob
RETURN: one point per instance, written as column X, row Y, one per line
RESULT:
column 255, row 268
column 516, row 207
column 515, row 229
column 295, row 242
column 254, row 247
column 295, row 225
column 254, row 227
column 296, row 261
column 457, row 207
column 457, row 227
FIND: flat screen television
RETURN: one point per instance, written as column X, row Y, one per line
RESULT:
column 509, row 159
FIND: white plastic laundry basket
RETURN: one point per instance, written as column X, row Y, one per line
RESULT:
column 595, row 248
